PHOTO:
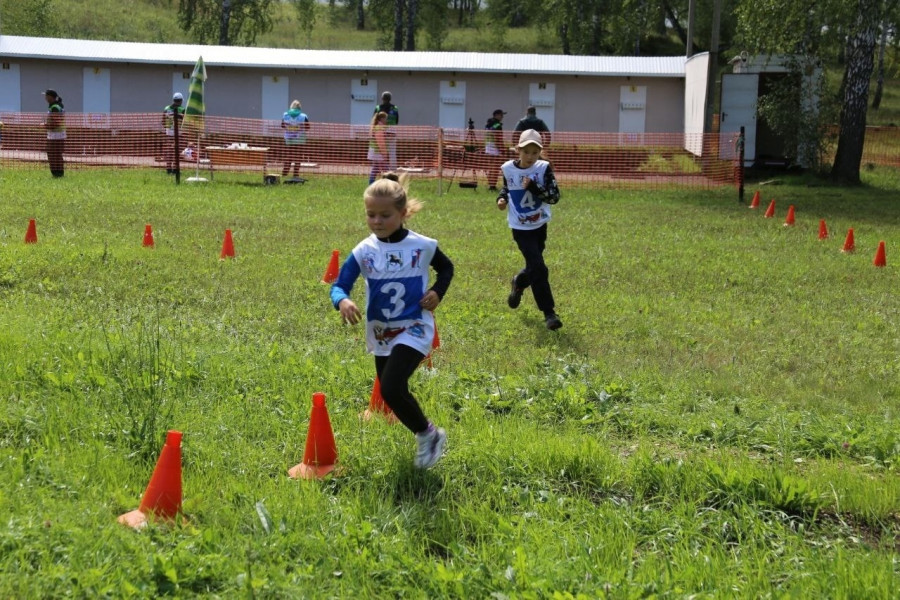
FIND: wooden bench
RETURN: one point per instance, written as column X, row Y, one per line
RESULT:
column 237, row 157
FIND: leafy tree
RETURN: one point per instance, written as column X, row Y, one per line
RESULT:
column 813, row 29
column 227, row 22
column 306, row 17
column 29, row 17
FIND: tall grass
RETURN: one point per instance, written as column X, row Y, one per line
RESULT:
column 717, row 417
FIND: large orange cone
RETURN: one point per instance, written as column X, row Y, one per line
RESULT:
column 823, row 230
column 162, row 498
column 31, row 233
column 770, row 212
column 849, row 244
column 789, row 220
column 321, row 452
column 227, row 246
column 880, row 260
column 755, row 202
column 331, row 273
column 148, row 236
column 377, row 405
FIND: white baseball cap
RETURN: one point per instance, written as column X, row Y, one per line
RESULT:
column 177, row 96
column 530, row 136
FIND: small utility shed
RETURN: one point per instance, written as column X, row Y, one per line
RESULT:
column 752, row 77
column 571, row 93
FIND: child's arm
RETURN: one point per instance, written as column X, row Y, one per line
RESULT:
column 340, row 291
column 443, row 266
column 549, row 191
column 503, row 195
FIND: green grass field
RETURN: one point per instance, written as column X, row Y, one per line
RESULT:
column 717, row 418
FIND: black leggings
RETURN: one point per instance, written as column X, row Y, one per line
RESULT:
column 531, row 244
column 394, row 372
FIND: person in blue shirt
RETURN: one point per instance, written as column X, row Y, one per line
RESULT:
column 399, row 312
column 295, row 124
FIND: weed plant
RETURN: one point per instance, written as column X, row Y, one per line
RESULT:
column 717, row 418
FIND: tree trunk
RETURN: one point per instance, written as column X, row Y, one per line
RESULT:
column 679, row 30
column 411, row 26
column 398, row 25
column 360, row 15
column 879, row 87
column 564, row 38
column 860, row 53
column 224, row 23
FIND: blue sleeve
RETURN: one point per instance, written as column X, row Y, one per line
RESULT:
column 341, row 288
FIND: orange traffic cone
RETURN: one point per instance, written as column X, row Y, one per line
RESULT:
column 148, row 236
column 162, row 498
column 227, row 246
column 377, row 405
column 435, row 344
column 321, row 452
column 880, row 260
column 823, row 230
column 31, row 233
column 755, row 202
column 849, row 245
column 789, row 220
column 770, row 212
column 331, row 273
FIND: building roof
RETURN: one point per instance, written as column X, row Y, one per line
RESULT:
column 237, row 56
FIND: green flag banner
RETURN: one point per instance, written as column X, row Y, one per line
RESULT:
column 196, row 108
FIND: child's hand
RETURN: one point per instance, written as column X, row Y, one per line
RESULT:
column 349, row 311
column 502, row 202
column 526, row 181
column 430, row 300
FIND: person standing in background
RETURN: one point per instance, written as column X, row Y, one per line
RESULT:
column 393, row 118
column 55, row 124
column 378, row 147
column 170, row 113
column 531, row 121
column 296, row 127
column 493, row 148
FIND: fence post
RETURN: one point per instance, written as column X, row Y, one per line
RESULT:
column 740, row 166
column 440, row 161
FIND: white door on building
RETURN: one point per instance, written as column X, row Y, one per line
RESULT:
column 542, row 96
column 10, row 88
column 632, row 108
column 96, row 96
column 181, row 81
column 738, row 106
column 275, row 100
column 452, row 111
column 363, row 98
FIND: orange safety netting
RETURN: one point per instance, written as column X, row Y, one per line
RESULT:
column 225, row 145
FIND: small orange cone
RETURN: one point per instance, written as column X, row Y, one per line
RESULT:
column 162, row 498
column 227, row 246
column 435, row 344
column 755, row 202
column 31, row 233
column 823, row 230
column 148, row 236
column 377, row 405
column 849, row 244
column 789, row 220
column 770, row 212
column 880, row 260
column 331, row 273
column 321, row 452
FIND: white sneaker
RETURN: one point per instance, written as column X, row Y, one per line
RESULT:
column 430, row 447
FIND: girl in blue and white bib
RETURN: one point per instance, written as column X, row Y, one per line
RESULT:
column 394, row 262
